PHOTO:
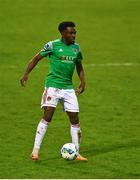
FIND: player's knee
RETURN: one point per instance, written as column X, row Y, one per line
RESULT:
column 48, row 113
column 47, row 118
column 75, row 122
column 74, row 119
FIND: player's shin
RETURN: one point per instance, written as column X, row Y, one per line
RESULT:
column 76, row 135
column 41, row 130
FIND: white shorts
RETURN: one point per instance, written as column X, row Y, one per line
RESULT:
column 67, row 97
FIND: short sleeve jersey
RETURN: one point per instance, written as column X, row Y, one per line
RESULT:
column 62, row 60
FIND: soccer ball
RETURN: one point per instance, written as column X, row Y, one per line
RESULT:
column 69, row 151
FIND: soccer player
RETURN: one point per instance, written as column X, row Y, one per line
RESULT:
column 64, row 54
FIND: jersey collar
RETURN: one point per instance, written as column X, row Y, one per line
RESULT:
column 66, row 44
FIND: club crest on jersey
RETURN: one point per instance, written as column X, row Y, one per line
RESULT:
column 74, row 50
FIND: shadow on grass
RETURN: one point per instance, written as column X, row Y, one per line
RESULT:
column 94, row 150
column 58, row 161
column 91, row 150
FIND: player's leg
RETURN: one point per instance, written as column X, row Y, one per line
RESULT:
column 76, row 132
column 41, row 130
column 71, row 106
column 49, row 103
column 75, row 128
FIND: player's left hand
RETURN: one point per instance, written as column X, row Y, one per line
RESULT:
column 80, row 89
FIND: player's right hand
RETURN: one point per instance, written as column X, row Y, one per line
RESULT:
column 23, row 80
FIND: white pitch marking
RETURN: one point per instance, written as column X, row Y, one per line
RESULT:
column 114, row 64
column 89, row 65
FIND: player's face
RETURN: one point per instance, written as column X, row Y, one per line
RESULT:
column 69, row 35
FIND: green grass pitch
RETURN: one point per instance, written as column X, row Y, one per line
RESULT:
column 109, row 34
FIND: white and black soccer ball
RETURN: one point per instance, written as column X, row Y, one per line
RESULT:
column 69, row 151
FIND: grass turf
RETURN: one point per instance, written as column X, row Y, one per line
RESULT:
column 108, row 32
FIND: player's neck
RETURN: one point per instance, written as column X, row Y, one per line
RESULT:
column 66, row 42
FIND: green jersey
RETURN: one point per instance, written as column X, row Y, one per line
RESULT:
column 62, row 59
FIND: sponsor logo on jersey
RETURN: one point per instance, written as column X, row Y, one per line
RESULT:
column 67, row 58
column 63, row 57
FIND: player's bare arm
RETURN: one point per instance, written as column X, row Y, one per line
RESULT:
column 80, row 72
column 30, row 67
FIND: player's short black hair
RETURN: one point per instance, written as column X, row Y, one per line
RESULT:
column 63, row 25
